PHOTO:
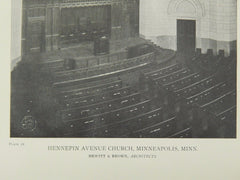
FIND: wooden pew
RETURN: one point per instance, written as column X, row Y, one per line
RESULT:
column 228, row 114
column 126, row 127
column 197, row 87
column 99, row 77
column 172, row 77
column 105, row 106
column 80, row 124
column 159, row 130
column 220, row 103
column 92, row 99
column 76, row 93
column 224, row 122
column 163, row 71
column 183, row 82
column 186, row 133
column 210, row 93
column 77, row 83
column 227, row 120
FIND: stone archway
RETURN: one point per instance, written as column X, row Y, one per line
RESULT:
column 188, row 10
column 186, row 7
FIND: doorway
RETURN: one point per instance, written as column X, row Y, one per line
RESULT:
column 186, row 36
column 36, row 36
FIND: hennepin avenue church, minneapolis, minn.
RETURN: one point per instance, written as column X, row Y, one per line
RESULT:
column 116, row 149
column 124, row 69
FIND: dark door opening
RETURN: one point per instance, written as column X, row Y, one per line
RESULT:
column 36, row 36
column 186, row 36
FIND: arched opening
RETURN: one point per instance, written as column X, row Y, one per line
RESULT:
column 187, row 15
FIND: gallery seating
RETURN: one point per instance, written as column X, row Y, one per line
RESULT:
column 80, row 124
column 196, row 87
column 92, row 99
column 211, row 63
column 221, row 103
column 104, row 106
column 210, row 93
column 127, row 126
column 228, row 114
column 227, row 119
column 163, row 71
column 183, row 82
column 90, row 90
column 173, row 76
column 96, row 106
column 160, row 130
column 186, row 133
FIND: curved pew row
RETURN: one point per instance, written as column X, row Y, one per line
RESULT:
column 79, row 83
column 172, row 76
column 196, row 87
column 103, row 68
column 159, row 130
column 211, row 93
column 183, row 82
column 228, row 114
column 227, row 120
column 220, row 124
column 93, row 99
column 105, row 106
column 90, row 90
column 163, row 71
column 219, row 104
column 124, row 128
column 80, row 124
column 210, row 62
column 186, row 133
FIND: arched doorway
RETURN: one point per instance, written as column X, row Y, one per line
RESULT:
column 188, row 16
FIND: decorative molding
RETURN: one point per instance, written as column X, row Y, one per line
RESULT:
column 85, row 4
column 72, row 4
column 174, row 4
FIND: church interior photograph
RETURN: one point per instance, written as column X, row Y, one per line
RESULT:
column 124, row 69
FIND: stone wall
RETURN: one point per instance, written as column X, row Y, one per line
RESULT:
column 216, row 26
